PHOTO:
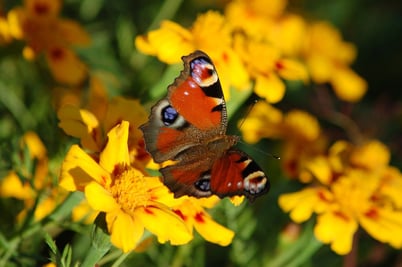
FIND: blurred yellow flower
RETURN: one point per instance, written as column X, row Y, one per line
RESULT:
column 130, row 200
column 38, row 24
column 350, row 195
column 266, row 65
column 209, row 33
column 254, row 17
column 328, row 58
column 35, row 189
column 90, row 128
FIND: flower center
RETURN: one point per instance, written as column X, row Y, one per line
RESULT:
column 129, row 189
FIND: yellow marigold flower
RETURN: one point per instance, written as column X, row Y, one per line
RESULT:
column 90, row 129
column 38, row 24
column 299, row 124
column 288, row 34
column 209, row 33
column 254, row 17
column 350, row 195
column 266, row 64
column 328, row 58
column 191, row 210
column 262, row 121
column 130, row 200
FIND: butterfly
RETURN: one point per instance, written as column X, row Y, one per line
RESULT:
column 188, row 129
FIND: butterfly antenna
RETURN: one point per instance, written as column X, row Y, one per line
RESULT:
column 241, row 125
column 250, row 108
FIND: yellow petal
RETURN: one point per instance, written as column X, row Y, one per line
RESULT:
column 65, row 66
column 12, row 186
column 73, row 33
column 336, row 229
column 36, row 148
column 116, row 151
column 177, row 41
column 292, row 70
column 163, row 223
column 270, row 87
column 348, row 85
column 79, row 169
column 263, row 121
column 99, row 198
column 320, row 168
column 125, row 231
column 301, row 125
column 16, row 18
column 383, row 224
column 302, row 204
column 371, row 155
column 211, row 230
column 320, row 68
column 83, row 213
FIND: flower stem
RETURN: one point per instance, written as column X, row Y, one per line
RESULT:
column 300, row 252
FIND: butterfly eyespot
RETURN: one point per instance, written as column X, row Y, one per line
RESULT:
column 203, row 72
column 169, row 115
column 256, row 182
column 204, row 184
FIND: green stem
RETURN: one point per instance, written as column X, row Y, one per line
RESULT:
column 167, row 11
column 300, row 252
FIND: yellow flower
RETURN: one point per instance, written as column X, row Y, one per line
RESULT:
column 191, row 210
column 38, row 24
column 255, row 17
column 130, row 200
column 90, row 128
column 350, row 195
column 34, row 189
column 266, row 65
column 328, row 58
column 209, row 33
column 262, row 122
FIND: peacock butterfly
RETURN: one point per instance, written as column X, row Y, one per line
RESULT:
column 188, row 127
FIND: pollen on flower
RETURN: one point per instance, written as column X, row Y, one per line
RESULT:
column 129, row 189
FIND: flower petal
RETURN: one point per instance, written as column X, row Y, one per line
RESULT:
column 165, row 224
column 99, row 198
column 384, row 225
column 211, row 230
column 116, row 150
column 79, row 169
column 270, row 87
column 337, row 229
column 125, row 232
column 302, row 204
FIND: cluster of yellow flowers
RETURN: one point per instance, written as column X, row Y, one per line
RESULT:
column 255, row 46
column 259, row 41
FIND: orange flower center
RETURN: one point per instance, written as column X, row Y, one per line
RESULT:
column 129, row 190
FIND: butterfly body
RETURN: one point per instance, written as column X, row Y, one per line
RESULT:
column 188, row 127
